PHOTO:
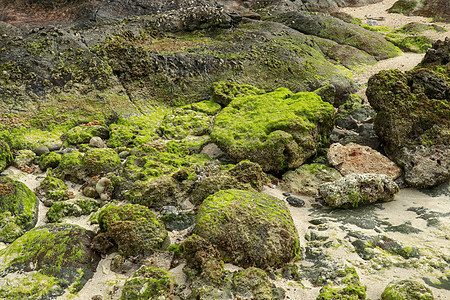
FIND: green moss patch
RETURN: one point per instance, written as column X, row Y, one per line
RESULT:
column 148, row 283
column 277, row 130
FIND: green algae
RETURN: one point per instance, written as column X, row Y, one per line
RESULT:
column 49, row 160
column 101, row 161
column 5, row 155
column 75, row 208
column 406, row 290
column 183, row 122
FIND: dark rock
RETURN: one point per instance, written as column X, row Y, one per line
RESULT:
column 178, row 221
column 41, row 150
column 251, row 173
column 294, row 201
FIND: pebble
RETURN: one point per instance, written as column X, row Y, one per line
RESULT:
column 296, row 202
column 55, row 147
column 41, row 150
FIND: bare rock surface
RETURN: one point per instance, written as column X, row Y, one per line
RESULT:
column 354, row 158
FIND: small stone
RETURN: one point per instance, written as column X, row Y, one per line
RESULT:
column 124, row 154
column 41, row 150
column 55, row 147
column 296, row 202
column 97, row 142
column 97, row 297
column 90, row 192
column 167, row 210
column 371, row 22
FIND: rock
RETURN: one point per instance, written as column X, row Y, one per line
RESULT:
column 41, row 150
column 436, row 9
column 38, row 269
column 133, row 228
column 71, row 208
column 372, row 22
column 184, row 122
column 49, row 160
column 225, row 92
column 413, row 111
column 252, row 283
column 327, row 93
column 24, row 158
column 97, row 142
column 72, row 167
column 161, row 259
column 426, row 166
column 101, row 161
column 120, row 264
column 356, row 159
column 55, row 147
column 213, row 184
column 83, row 134
column 18, row 209
column 349, row 287
column 407, row 289
column 355, row 190
column 179, row 221
column 243, row 238
column 294, row 201
column 155, row 193
column 149, row 283
column 52, row 190
column 307, row 178
column 277, row 130
column 210, row 108
column 251, row 173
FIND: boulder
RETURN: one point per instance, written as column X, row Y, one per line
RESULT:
column 251, row 173
column 355, row 190
column 413, row 111
column 156, row 192
column 46, row 262
column 148, row 283
column 72, row 167
column 277, row 130
column 248, row 228
column 18, row 209
column 83, row 134
column 252, row 283
column 184, row 122
column 49, row 160
column 51, row 190
column 71, row 208
column 307, row 178
column 439, row 10
column 356, row 159
column 406, row 289
column 101, row 161
column 24, row 158
column 133, row 228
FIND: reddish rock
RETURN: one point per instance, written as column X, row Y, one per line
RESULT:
column 357, row 159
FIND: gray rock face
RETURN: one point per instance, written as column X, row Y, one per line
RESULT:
column 426, row 166
column 358, row 189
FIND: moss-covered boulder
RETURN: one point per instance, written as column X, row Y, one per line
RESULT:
column 208, row 107
column 24, row 158
column 406, row 289
column 252, row 283
column 356, row 190
column 82, row 134
column 307, row 178
column 101, row 161
column 251, row 173
column 183, row 122
column 134, row 229
column 156, row 192
column 277, row 130
column 72, row 167
column 148, row 283
column 413, row 112
column 5, row 155
column 436, row 9
column 248, row 228
column 47, row 262
column 52, row 189
column 49, row 160
column 348, row 287
column 18, row 209
column 224, row 92
column 71, row 208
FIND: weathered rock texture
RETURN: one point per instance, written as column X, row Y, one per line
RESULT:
column 249, row 229
column 439, row 10
column 355, row 190
column 413, row 110
column 354, row 158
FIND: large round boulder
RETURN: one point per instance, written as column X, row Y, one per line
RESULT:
column 18, row 209
column 46, row 262
column 248, row 228
column 277, row 130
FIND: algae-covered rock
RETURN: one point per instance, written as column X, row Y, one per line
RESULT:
column 49, row 160
column 101, row 161
column 83, row 134
column 355, row 190
column 148, row 283
column 184, row 122
column 349, row 287
column 156, row 192
column 252, row 283
column 52, row 189
column 307, row 178
column 248, row 228
column 208, row 107
column 277, row 130
column 72, row 167
column 225, row 92
column 24, row 158
column 251, row 173
column 18, row 209
column 133, row 228
column 71, row 208
column 5, row 155
column 408, row 290
column 46, row 262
